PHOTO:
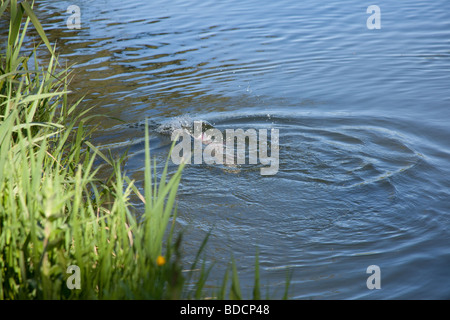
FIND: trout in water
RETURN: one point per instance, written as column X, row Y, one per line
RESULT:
column 204, row 131
column 194, row 130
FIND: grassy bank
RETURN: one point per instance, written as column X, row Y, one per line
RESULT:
column 54, row 212
column 64, row 232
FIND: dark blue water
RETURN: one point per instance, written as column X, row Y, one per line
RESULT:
column 363, row 116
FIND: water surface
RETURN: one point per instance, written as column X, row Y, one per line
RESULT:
column 363, row 119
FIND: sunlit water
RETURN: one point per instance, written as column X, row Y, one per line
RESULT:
column 363, row 118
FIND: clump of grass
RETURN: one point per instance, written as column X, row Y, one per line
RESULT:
column 57, row 216
column 54, row 212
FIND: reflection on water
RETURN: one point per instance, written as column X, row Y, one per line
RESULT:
column 362, row 115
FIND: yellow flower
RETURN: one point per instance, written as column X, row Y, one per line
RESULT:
column 160, row 261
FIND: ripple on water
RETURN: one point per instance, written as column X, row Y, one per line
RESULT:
column 333, row 150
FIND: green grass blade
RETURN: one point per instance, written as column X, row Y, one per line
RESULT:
column 256, row 286
column 235, row 291
column 15, row 22
column 37, row 25
column 3, row 7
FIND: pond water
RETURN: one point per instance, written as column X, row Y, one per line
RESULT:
column 363, row 118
